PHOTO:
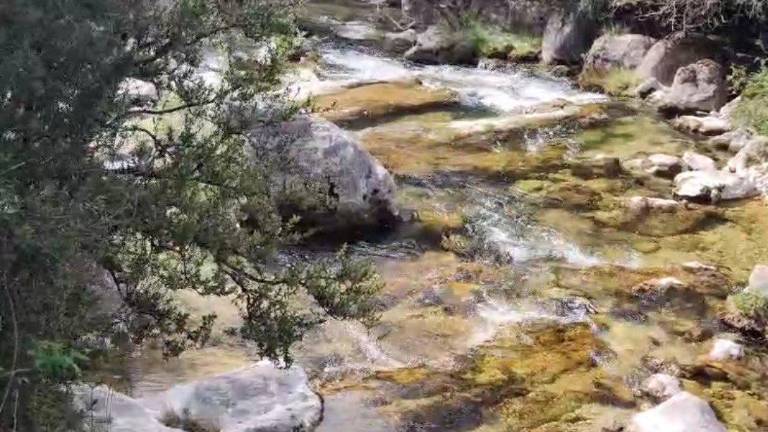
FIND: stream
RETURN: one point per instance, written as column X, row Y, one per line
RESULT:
column 509, row 302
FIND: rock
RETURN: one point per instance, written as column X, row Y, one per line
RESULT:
column 661, row 386
column 598, row 167
column 668, row 55
column 648, row 87
column 261, row 398
column 707, row 125
column 617, row 51
column 746, row 312
column 438, row 45
column 682, row 412
column 641, row 205
column 115, row 412
column 400, row 42
column 698, row 162
column 662, row 165
column 758, row 280
column 567, row 37
column 255, row 399
column 360, row 190
column 655, row 290
column 369, row 103
column 137, row 91
column 700, row 86
column 713, row 186
column 358, row 31
column 732, row 141
column 725, row 349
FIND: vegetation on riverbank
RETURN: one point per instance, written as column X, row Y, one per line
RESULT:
column 107, row 208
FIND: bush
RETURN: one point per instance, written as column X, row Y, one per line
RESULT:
column 752, row 111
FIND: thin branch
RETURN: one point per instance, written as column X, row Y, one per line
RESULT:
column 15, row 322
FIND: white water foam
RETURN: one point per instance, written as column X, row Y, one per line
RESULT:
column 503, row 92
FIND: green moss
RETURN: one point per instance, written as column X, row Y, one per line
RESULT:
column 752, row 111
column 750, row 304
column 615, row 82
column 494, row 42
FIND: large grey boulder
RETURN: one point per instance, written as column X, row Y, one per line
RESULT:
column 714, row 186
column 612, row 51
column 440, row 45
column 400, row 42
column 668, row 55
column 700, row 86
column 683, row 412
column 355, row 187
column 260, row 398
column 567, row 37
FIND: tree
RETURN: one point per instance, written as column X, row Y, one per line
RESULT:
column 125, row 172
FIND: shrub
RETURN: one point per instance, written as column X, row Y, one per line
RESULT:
column 494, row 42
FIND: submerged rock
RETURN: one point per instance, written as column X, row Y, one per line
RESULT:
column 682, row 412
column 260, row 398
column 358, row 189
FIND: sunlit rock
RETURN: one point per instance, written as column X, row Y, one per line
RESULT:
column 714, row 186
column 698, row 162
column 726, row 349
column 682, row 412
column 661, row 386
column 260, row 398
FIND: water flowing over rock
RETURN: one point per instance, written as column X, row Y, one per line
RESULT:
column 260, row 398
column 683, row 412
column 758, row 280
column 618, row 51
column 361, row 191
column 567, row 37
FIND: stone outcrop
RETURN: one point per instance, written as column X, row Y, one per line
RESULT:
column 700, row 86
column 679, row 50
column 683, row 412
column 355, row 189
column 261, row 398
column 567, row 37
column 439, row 45
column 612, row 51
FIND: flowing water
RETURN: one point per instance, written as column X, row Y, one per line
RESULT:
column 508, row 303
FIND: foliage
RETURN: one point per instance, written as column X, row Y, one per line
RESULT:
column 751, row 305
column 752, row 111
column 126, row 176
column 693, row 15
